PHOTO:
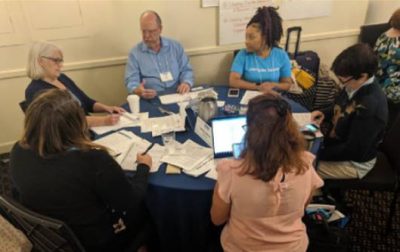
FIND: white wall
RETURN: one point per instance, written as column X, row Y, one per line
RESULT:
column 380, row 11
column 95, row 47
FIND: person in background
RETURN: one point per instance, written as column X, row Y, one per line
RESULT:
column 354, row 125
column 58, row 172
column 262, row 195
column 262, row 65
column 387, row 48
column 157, row 63
column 45, row 63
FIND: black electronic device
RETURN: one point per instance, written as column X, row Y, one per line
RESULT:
column 233, row 92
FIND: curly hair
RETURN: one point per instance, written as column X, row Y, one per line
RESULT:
column 270, row 24
column 273, row 139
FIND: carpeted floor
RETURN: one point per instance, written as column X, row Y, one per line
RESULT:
column 367, row 221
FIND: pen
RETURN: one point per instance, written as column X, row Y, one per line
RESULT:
column 148, row 148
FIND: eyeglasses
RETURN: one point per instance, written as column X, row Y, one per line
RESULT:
column 344, row 82
column 55, row 60
column 150, row 32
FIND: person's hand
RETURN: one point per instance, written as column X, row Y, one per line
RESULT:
column 144, row 92
column 111, row 119
column 267, row 88
column 144, row 159
column 317, row 117
column 183, row 88
column 114, row 110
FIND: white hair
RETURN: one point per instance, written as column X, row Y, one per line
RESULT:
column 39, row 49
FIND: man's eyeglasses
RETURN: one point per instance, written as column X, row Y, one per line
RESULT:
column 344, row 82
column 55, row 60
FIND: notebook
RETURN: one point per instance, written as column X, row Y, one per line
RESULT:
column 227, row 131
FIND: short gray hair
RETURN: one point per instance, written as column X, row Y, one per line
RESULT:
column 39, row 49
column 158, row 18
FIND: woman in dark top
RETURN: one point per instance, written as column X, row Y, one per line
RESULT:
column 60, row 173
column 44, row 68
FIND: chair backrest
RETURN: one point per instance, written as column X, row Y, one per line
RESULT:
column 370, row 33
column 46, row 234
column 390, row 144
column 23, row 105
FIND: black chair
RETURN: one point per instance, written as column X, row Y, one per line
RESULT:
column 383, row 177
column 46, row 234
column 370, row 33
column 23, row 105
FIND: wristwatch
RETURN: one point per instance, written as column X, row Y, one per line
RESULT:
column 258, row 83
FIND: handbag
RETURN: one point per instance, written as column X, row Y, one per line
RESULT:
column 324, row 237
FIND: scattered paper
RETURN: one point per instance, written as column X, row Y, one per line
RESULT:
column 176, row 98
column 125, row 121
column 207, row 166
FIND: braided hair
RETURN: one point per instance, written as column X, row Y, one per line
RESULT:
column 270, row 25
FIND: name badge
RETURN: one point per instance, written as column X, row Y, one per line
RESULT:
column 166, row 76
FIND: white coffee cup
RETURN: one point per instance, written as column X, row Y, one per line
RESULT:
column 134, row 103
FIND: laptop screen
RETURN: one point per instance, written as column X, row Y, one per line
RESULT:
column 227, row 131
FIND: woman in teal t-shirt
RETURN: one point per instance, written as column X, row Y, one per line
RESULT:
column 262, row 65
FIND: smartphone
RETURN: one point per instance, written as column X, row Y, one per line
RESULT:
column 237, row 150
column 311, row 127
column 233, row 92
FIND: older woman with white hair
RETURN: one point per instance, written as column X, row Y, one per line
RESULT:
column 44, row 68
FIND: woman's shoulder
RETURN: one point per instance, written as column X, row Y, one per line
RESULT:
column 228, row 166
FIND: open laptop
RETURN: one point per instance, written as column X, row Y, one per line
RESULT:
column 227, row 131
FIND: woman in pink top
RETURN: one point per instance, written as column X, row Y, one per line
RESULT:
column 262, row 195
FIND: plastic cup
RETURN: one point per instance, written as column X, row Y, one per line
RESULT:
column 134, row 103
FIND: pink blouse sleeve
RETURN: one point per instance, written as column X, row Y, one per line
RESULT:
column 224, row 181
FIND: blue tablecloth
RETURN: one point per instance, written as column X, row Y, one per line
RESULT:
column 180, row 204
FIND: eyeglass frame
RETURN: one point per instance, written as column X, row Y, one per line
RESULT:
column 346, row 81
column 55, row 60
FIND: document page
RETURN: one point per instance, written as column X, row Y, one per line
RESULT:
column 126, row 120
column 302, row 118
column 188, row 155
column 117, row 142
column 248, row 95
column 176, row 98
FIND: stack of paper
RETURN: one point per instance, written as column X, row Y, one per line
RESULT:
column 190, row 157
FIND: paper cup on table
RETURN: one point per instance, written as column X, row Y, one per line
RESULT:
column 134, row 103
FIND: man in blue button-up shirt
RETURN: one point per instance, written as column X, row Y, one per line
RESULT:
column 157, row 63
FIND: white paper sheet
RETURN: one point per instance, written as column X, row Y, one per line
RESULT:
column 188, row 155
column 248, row 95
column 125, row 121
column 176, row 98
column 117, row 142
column 207, row 166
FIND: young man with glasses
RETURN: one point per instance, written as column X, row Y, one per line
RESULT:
column 157, row 63
column 354, row 125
